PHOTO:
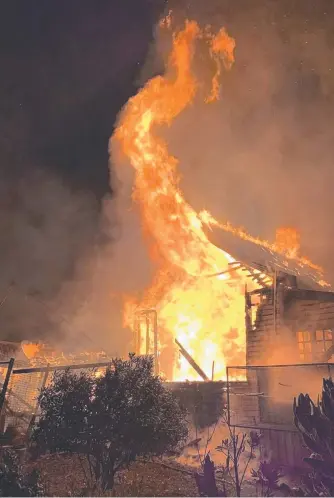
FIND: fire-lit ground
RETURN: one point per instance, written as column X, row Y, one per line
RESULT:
column 198, row 298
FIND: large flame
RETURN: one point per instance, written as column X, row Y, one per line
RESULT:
column 200, row 302
column 206, row 314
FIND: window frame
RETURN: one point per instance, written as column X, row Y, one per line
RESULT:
column 313, row 344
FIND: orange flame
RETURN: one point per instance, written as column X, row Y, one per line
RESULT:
column 203, row 310
column 31, row 349
column 288, row 241
column 280, row 246
column 205, row 314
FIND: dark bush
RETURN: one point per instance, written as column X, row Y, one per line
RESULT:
column 14, row 481
column 315, row 422
column 111, row 420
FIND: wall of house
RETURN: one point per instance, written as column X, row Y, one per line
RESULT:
column 258, row 331
column 310, row 314
column 267, row 330
column 272, row 338
column 310, row 317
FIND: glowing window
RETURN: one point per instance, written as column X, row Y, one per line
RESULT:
column 304, row 345
column 323, row 340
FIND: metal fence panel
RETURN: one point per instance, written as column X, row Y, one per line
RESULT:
column 21, row 404
column 265, row 399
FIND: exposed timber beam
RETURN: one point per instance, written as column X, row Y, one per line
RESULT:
column 191, row 361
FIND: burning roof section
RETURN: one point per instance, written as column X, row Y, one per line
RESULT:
column 256, row 258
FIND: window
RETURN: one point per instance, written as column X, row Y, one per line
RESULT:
column 304, row 346
column 313, row 345
column 323, row 341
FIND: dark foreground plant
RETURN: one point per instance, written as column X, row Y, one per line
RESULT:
column 239, row 450
column 315, row 422
column 267, row 480
column 110, row 420
column 14, row 481
column 206, row 481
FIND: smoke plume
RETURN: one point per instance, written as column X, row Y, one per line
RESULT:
column 260, row 158
column 45, row 227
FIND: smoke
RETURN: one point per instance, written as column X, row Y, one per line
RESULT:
column 89, row 307
column 259, row 158
column 65, row 267
column 262, row 157
column 45, row 227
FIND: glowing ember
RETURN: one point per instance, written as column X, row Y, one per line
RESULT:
column 203, row 310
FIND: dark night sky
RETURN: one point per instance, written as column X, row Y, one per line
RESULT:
column 67, row 67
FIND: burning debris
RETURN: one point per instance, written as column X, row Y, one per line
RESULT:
column 37, row 354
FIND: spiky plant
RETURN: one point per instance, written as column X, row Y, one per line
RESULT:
column 315, row 422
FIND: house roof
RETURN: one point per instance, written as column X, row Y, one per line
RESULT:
column 254, row 256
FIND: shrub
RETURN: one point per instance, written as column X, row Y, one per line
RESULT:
column 111, row 420
column 14, row 481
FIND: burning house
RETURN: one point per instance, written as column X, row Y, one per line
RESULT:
column 216, row 300
column 223, row 298
column 289, row 324
column 289, row 315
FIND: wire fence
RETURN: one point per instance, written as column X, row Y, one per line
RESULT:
column 257, row 398
column 20, row 407
column 265, row 401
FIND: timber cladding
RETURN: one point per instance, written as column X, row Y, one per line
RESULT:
column 311, row 314
column 290, row 327
column 281, row 319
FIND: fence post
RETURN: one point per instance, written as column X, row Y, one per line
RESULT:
column 228, row 397
column 3, row 394
column 33, row 417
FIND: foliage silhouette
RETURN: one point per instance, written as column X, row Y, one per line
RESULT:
column 315, row 422
column 14, row 481
column 110, row 420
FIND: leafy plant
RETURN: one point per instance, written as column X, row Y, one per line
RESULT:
column 315, row 422
column 14, row 481
column 110, row 420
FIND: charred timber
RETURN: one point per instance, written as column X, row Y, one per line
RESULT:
column 191, row 361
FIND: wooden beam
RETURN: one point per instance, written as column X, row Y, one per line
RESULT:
column 191, row 361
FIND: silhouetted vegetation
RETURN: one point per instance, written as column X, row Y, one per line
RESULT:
column 109, row 420
column 316, row 425
column 14, row 481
